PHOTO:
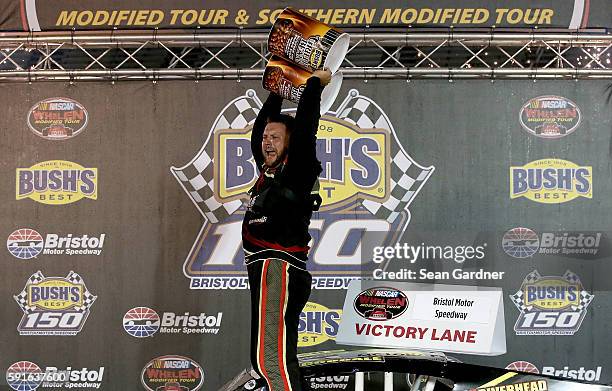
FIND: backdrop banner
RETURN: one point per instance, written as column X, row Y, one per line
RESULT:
column 30, row 15
column 121, row 206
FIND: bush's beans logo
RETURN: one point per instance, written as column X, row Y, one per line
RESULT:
column 317, row 324
column 523, row 366
column 524, row 243
column 550, row 116
column 28, row 376
column 170, row 372
column 141, row 322
column 551, row 181
column 26, row 243
column 54, row 305
column 380, row 303
column 57, row 118
column 552, row 305
column 57, row 182
column 362, row 163
column 144, row 322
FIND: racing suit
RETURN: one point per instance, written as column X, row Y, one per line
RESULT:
column 275, row 241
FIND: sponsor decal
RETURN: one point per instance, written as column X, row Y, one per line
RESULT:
column 57, row 118
column 172, row 372
column 523, row 366
column 362, row 161
column 54, row 305
column 26, row 243
column 144, row 322
column 535, row 385
column 590, row 375
column 550, row 305
column 551, row 181
column 380, row 303
column 550, row 116
column 57, row 182
column 317, row 324
column 28, row 376
column 524, row 243
column 329, row 382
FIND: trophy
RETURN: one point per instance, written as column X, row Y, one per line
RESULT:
column 299, row 46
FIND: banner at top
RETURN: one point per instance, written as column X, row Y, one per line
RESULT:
column 32, row 15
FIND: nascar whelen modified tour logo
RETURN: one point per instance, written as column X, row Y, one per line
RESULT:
column 172, row 373
column 551, row 181
column 54, row 305
column 550, row 116
column 367, row 184
column 380, row 303
column 57, row 182
column 317, row 324
column 57, row 118
column 550, row 305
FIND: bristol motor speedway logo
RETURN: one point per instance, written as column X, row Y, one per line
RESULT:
column 367, row 184
column 26, row 243
column 550, row 305
column 523, row 242
column 141, row 322
column 54, row 305
column 28, row 376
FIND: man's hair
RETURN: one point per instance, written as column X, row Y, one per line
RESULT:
column 284, row 119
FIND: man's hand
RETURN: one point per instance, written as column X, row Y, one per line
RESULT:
column 324, row 75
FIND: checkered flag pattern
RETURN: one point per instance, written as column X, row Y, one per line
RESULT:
column 22, row 298
column 519, row 297
column 88, row 298
column 407, row 177
column 585, row 297
column 197, row 177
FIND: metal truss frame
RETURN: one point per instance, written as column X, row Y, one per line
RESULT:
column 198, row 55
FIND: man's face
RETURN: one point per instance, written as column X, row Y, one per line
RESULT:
column 274, row 144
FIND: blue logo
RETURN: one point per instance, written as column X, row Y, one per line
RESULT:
column 25, row 243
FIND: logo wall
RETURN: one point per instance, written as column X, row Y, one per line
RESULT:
column 26, row 243
column 28, row 376
column 367, row 184
column 551, row 181
column 550, row 116
column 57, row 118
column 550, row 305
column 57, row 182
column 54, row 305
column 172, row 373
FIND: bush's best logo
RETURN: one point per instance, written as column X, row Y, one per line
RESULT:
column 367, row 184
column 551, row 181
column 380, row 303
column 57, row 182
column 524, row 243
column 26, row 243
column 550, row 116
column 172, row 373
column 144, row 322
column 28, row 376
column 317, row 324
column 54, row 305
column 57, row 118
column 550, row 305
